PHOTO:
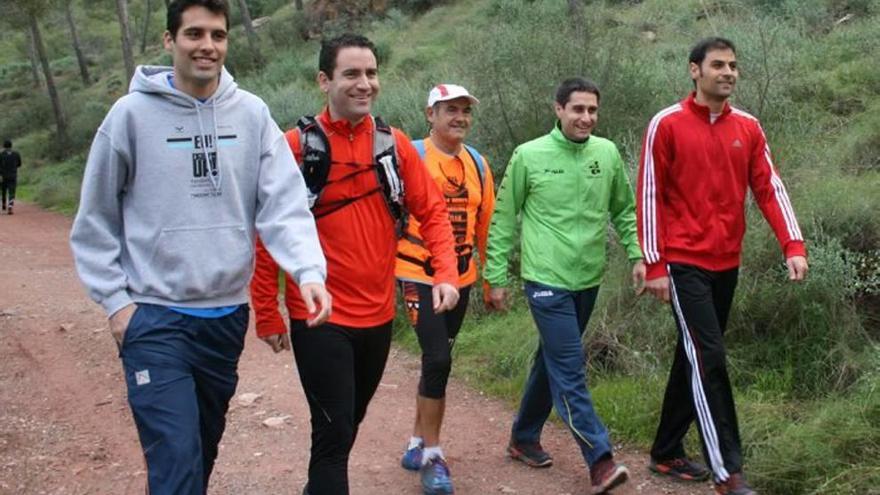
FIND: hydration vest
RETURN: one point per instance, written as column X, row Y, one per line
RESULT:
column 316, row 168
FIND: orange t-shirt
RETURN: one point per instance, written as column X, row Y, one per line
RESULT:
column 358, row 240
column 470, row 207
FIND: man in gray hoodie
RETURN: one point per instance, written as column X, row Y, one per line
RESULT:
column 182, row 174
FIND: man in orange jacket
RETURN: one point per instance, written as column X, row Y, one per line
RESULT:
column 465, row 179
column 356, row 206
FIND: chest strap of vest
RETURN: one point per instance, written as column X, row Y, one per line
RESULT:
column 316, row 163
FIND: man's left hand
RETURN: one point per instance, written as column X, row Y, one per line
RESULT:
column 797, row 268
column 445, row 297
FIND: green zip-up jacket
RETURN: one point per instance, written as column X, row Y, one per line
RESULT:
column 566, row 193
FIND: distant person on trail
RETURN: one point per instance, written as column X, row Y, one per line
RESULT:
column 700, row 157
column 465, row 179
column 10, row 161
column 566, row 186
column 182, row 172
column 363, row 177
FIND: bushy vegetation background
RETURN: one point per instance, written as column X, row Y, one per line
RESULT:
column 805, row 359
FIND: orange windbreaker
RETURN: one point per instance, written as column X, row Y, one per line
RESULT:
column 470, row 207
column 358, row 240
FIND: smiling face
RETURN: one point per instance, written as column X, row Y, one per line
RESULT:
column 198, row 50
column 715, row 78
column 579, row 115
column 450, row 121
column 353, row 85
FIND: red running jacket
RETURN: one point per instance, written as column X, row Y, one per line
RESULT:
column 693, row 178
column 359, row 240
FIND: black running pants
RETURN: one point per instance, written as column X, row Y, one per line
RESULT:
column 699, row 387
column 436, row 333
column 7, row 190
column 340, row 368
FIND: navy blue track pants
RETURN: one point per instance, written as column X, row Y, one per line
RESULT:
column 558, row 376
column 181, row 372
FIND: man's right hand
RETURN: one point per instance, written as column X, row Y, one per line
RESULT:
column 278, row 342
column 659, row 288
column 498, row 298
column 119, row 322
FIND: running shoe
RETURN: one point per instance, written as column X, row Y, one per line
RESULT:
column 436, row 479
column 607, row 474
column 532, row 454
column 681, row 468
column 412, row 458
column 735, row 485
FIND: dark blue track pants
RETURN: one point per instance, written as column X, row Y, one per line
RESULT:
column 181, row 372
column 558, row 375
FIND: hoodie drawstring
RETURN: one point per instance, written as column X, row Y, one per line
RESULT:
column 216, row 178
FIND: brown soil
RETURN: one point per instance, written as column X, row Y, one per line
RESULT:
column 65, row 427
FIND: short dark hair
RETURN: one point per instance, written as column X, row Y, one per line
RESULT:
column 330, row 49
column 177, row 7
column 704, row 46
column 573, row 85
column 7, row 144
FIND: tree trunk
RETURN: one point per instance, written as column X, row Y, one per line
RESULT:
column 125, row 31
column 253, row 41
column 576, row 18
column 148, row 14
column 298, row 4
column 32, row 55
column 60, row 122
column 80, row 58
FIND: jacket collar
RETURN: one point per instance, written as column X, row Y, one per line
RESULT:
column 557, row 135
column 343, row 126
column 702, row 111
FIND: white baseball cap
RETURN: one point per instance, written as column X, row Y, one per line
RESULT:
column 446, row 92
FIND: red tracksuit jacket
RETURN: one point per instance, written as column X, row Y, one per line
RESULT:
column 692, row 187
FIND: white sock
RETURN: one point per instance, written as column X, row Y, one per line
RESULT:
column 415, row 442
column 430, row 453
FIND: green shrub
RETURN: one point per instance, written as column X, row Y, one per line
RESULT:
column 58, row 187
column 828, row 446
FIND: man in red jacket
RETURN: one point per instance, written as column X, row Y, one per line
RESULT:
column 341, row 362
column 699, row 158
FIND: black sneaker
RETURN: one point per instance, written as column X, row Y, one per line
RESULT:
column 532, row 454
column 681, row 468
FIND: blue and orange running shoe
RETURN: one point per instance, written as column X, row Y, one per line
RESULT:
column 436, row 478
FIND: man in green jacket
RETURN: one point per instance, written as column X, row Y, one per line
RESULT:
column 566, row 185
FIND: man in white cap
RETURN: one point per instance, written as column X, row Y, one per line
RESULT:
column 465, row 179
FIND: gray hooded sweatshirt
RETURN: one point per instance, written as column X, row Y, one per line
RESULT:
column 173, row 192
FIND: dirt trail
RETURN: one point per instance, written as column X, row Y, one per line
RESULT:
column 65, row 427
